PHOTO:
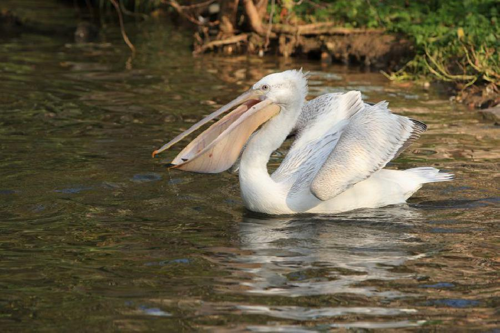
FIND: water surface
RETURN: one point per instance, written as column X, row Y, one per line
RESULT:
column 96, row 235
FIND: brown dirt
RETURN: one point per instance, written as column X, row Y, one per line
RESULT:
column 371, row 48
column 378, row 50
column 479, row 97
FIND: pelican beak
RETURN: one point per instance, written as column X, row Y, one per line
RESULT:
column 218, row 147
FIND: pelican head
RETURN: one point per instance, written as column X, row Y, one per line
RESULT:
column 218, row 147
column 283, row 88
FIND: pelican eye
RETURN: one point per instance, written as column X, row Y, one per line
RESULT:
column 264, row 87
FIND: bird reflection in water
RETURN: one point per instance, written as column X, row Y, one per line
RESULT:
column 315, row 255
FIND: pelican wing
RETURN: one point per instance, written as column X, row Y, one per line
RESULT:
column 318, row 129
column 372, row 138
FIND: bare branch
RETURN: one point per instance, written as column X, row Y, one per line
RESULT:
column 270, row 25
column 261, row 6
column 233, row 40
column 199, row 5
column 227, row 18
column 122, row 26
column 327, row 28
column 254, row 18
column 180, row 10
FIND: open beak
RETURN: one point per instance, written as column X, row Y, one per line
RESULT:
column 218, row 147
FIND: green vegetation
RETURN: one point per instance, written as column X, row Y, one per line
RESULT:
column 454, row 40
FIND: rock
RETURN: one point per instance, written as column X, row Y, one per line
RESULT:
column 86, row 32
column 9, row 22
column 169, row 118
column 491, row 114
column 8, row 18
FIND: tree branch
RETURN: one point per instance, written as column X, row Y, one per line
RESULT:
column 254, row 18
column 122, row 26
column 228, row 41
column 327, row 28
column 180, row 10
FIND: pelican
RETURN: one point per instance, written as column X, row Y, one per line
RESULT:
column 335, row 164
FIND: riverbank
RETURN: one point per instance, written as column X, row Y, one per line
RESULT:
column 446, row 42
column 460, row 55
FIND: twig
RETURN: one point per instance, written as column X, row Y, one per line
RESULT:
column 198, row 5
column 254, row 18
column 129, row 13
column 444, row 72
column 483, row 70
column 232, row 40
column 122, row 27
column 467, row 85
column 180, row 10
column 469, row 60
column 270, row 27
column 433, row 71
column 326, row 28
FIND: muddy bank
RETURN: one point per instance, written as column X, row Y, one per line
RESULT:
column 254, row 27
column 478, row 97
column 214, row 31
column 373, row 48
column 491, row 115
column 325, row 42
column 245, row 27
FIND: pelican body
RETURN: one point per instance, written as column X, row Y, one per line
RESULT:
column 335, row 164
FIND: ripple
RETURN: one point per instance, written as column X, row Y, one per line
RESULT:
column 377, row 325
column 73, row 190
column 284, row 328
column 438, row 285
column 168, row 262
column 301, row 313
column 7, row 192
column 454, row 303
column 306, row 256
column 146, row 177
column 154, row 311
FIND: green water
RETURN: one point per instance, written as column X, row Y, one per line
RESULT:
column 97, row 236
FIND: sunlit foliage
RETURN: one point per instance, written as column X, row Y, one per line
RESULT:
column 455, row 40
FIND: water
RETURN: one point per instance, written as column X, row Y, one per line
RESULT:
column 96, row 235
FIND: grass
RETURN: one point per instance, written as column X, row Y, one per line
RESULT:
column 455, row 41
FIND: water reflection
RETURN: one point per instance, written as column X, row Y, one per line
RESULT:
column 343, row 255
column 302, row 313
column 355, row 325
column 306, row 255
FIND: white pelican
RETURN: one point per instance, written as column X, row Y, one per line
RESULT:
column 335, row 163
